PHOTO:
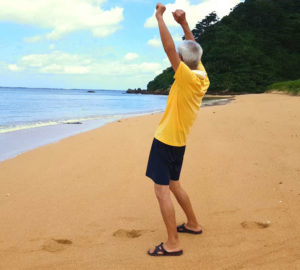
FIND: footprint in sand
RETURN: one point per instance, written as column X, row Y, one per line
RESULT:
column 255, row 224
column 127, row 233
column 54, row 245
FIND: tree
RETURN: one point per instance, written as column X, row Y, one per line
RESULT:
column 202, row 26
column 257, row 44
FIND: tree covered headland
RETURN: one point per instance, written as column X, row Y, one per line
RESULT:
column 257, row 44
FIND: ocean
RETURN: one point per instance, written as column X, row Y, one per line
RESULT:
column 32, row 117
column 23, row 108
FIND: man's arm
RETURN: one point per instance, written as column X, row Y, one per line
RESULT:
column 166, row 37
column 179, row 16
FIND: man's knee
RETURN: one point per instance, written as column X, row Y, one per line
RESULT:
column 162, row 192
column 174, row 186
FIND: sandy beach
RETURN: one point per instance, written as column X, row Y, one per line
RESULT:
column 85, row 202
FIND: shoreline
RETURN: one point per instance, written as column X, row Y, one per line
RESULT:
column 17, row 142
column 85, row 202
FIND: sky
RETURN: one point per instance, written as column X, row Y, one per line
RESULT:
column 90, row 44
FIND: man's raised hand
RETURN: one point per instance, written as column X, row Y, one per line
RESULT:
column 179, row 16
column 160, row 9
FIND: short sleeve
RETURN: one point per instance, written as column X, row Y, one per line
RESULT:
column 183, row 74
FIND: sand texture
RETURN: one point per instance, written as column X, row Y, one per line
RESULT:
column 85, row 202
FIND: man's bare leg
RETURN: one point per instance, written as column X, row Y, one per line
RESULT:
column 185, row 203
column 162, row 193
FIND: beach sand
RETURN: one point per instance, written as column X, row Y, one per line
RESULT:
column 85, row 202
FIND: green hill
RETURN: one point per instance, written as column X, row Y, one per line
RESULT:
column 257, row 44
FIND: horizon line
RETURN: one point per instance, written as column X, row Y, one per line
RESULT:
column 93, row 89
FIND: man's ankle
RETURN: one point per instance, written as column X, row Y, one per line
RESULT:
column 192, row 224
column 174, row 243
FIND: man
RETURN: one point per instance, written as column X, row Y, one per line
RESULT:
column 167, row 151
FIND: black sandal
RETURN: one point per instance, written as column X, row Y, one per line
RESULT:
column 183, row 229
column 160, row 251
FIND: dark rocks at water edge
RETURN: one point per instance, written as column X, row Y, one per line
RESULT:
column 77, row 123
column 166, row 92
column 148, row 92
column 91, row 91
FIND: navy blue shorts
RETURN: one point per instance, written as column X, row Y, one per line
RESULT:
column 165, row 162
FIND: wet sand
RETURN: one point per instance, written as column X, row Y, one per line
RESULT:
column 84, row 202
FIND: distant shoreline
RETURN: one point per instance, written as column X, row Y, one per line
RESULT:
column 18, row 141
column 221, row 93
column 54, row 88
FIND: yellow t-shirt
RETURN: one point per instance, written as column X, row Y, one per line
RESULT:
column 183, row 104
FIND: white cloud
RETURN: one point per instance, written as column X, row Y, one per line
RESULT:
column 14, row 67
column 33, row 39
column 52, row 46
column 131, row 56
column 67, row 69
column 194, row 13
column 166, row 61
column 154, row 42
column 54, row 58
column 58, row 62
column 62, row 17
column 151, row 67
column 177, row 38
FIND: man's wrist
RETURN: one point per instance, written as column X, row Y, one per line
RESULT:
column 184, row 24
column 158, row 16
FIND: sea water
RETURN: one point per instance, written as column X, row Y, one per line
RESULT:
column 31, row 117
column 22, row 108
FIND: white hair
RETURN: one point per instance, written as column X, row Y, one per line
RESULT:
column 190, row 52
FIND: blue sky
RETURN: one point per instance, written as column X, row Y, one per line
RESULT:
column 91, row 44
